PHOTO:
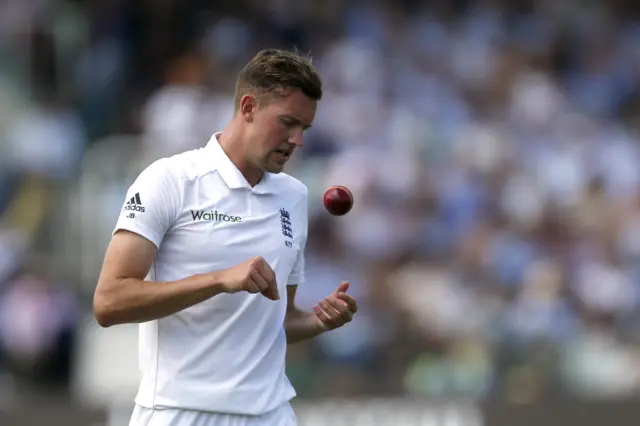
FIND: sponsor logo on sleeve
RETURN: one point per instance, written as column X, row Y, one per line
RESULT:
column 134, row 205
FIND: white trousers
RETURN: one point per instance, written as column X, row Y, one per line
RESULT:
column 283, row 416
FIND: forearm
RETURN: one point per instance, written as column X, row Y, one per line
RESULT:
column 300, row 325
column 130, row 300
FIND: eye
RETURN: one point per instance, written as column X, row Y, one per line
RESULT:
column 287, row 122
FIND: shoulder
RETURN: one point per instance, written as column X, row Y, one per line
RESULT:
column 183, row 167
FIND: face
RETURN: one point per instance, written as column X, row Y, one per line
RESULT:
column 276, row 127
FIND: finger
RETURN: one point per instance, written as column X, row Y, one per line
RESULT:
column 337, row 304
column 326, row 318
column 260, row 281
column 335, row 315
column 252, row 287
column 273, row 285
column 265, row 288
column 269, row 294
column 350, row 301
column 341, row 307
column 333, row 312
column 263, row 265
column 267, row 272
column 342, row 288
column 269, row 276
column 272, row 291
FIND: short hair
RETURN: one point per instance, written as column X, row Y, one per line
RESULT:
column 272, row 71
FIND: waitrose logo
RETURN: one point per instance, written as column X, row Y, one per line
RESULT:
column 214, row 216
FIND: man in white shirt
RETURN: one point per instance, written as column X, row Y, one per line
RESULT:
column 205, row 245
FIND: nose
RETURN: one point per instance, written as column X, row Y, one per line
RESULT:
column 295, row 137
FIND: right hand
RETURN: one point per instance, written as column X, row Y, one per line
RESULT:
column 253, row 276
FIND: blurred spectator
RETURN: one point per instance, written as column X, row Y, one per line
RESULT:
column 37, row 325
column 181, row 114
column 47, row 141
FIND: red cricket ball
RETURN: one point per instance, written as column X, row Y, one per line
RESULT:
column 338, row 200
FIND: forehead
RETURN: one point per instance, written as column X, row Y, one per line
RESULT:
column 295, row 104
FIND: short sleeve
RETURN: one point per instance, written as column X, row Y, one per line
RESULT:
column 297, row 275
column 152, row 203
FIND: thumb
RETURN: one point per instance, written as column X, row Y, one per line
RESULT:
column 271, row 293
column 342, row 288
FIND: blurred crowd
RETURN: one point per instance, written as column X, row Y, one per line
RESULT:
column 492, row 147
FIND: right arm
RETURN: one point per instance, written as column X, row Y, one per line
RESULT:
column 151, row 208
column 122, row 296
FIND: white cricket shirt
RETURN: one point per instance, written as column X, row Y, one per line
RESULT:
column 226, row 354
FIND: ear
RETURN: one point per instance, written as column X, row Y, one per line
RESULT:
column 248, row 107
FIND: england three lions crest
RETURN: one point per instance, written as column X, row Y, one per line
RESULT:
column 285, row 224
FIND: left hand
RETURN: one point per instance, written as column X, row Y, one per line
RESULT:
column 335, row 310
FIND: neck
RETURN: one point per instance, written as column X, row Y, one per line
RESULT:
column 233, row 143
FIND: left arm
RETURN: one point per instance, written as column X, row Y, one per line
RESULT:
column 299, row 325
column 332, row 312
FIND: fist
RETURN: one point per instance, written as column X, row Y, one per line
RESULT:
column 253, row 276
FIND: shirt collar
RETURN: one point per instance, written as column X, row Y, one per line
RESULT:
column 230, row 174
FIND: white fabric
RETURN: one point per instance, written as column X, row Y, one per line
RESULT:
column 283, row 416
column 226, row 354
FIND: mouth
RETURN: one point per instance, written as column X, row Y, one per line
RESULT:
column 285, row 154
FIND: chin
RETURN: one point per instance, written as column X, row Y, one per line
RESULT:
column 274, row 168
